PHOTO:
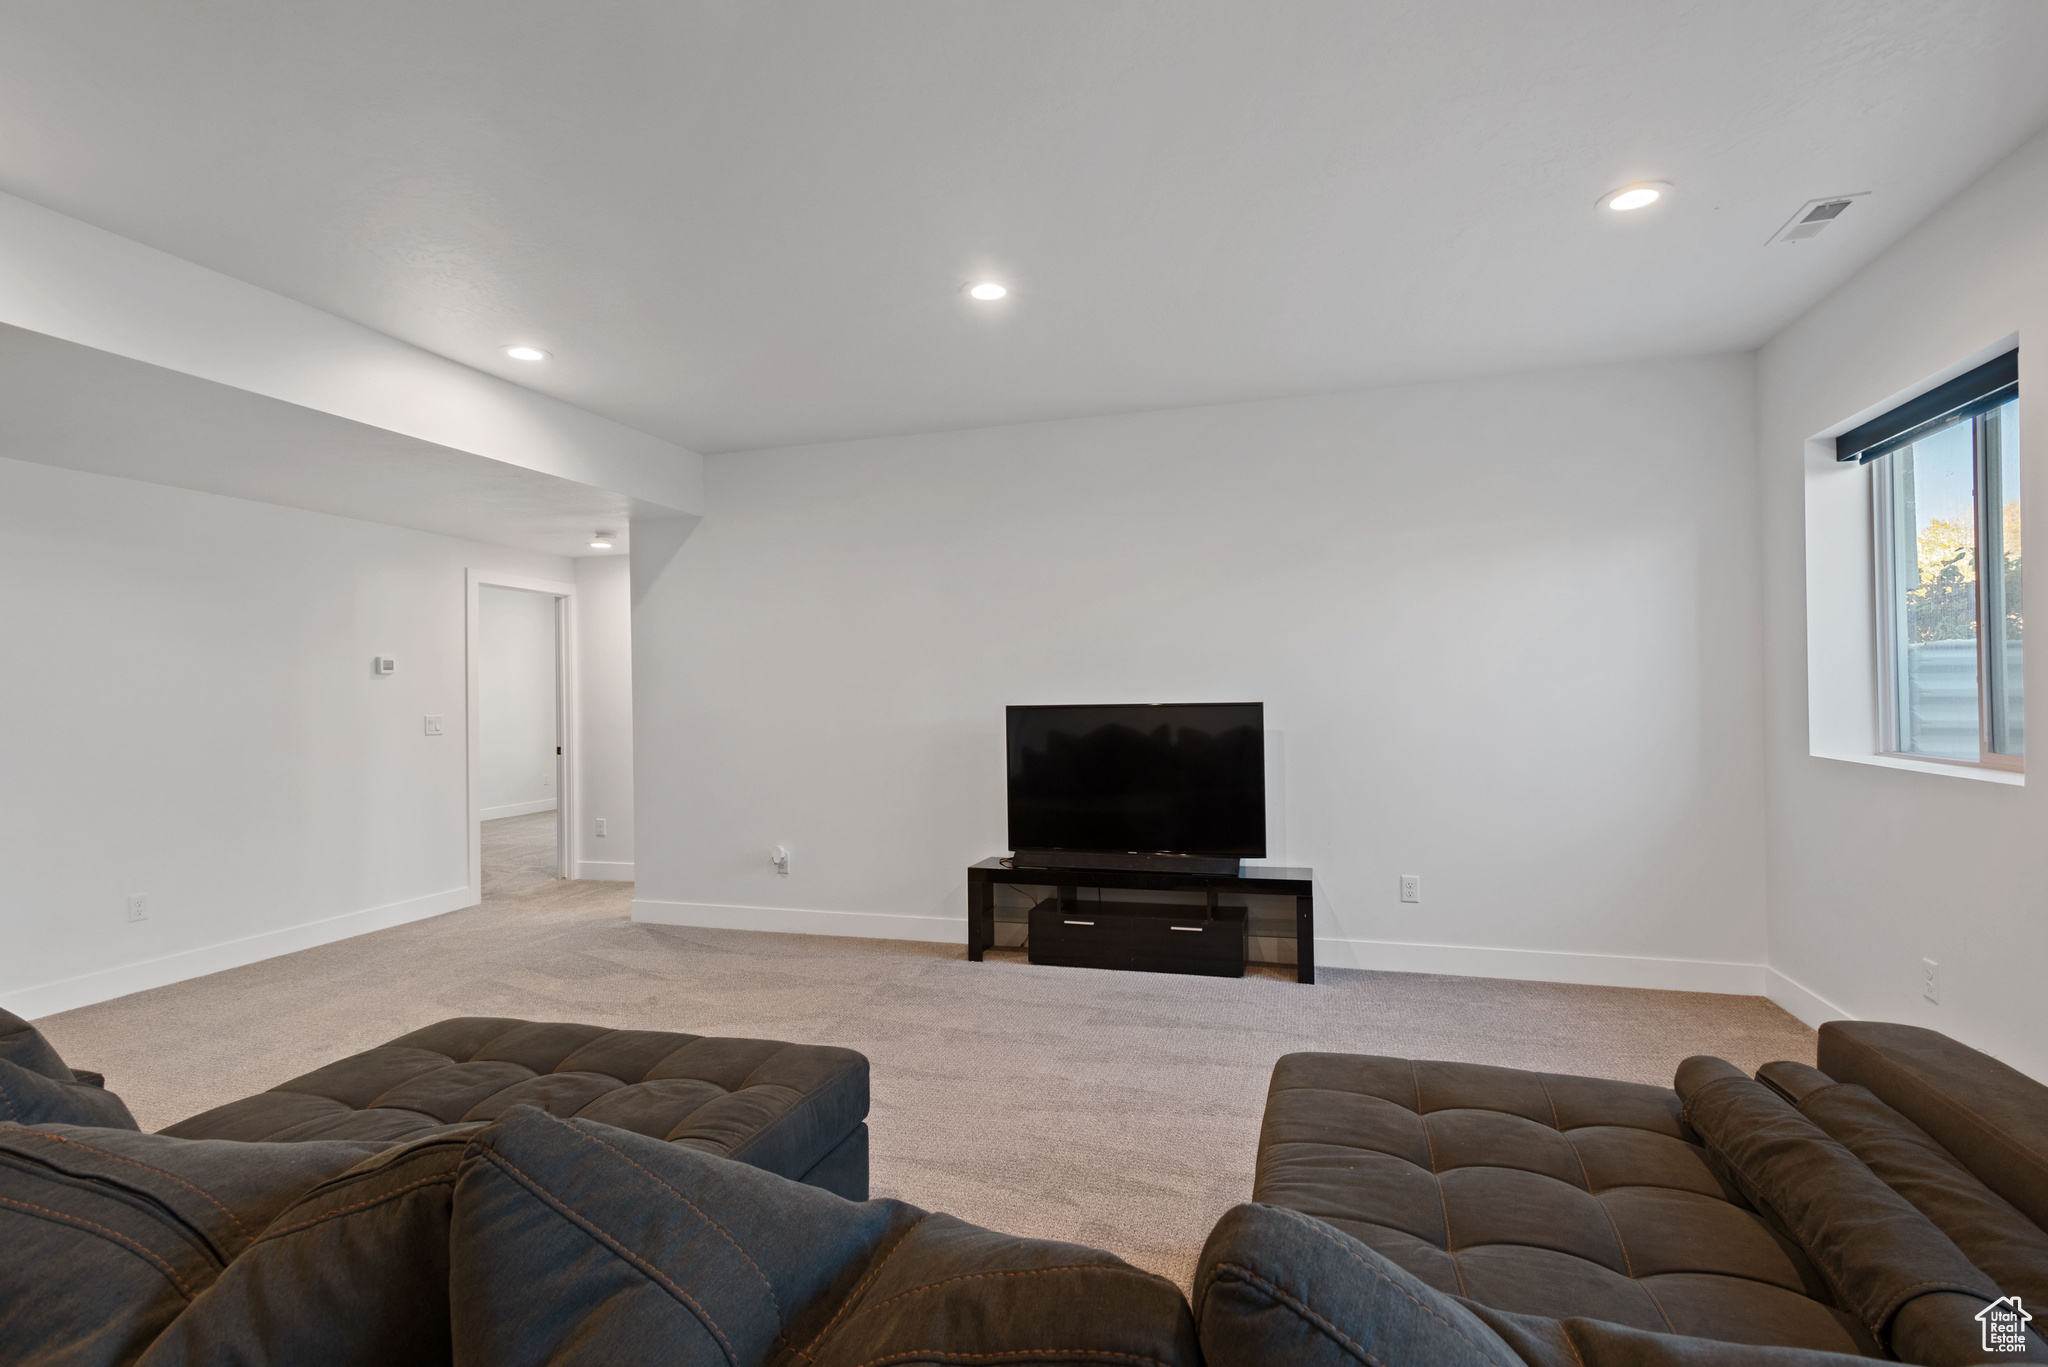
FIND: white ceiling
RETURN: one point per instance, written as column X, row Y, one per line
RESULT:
column 747, row 224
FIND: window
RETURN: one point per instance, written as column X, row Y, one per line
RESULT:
column 1946, row 484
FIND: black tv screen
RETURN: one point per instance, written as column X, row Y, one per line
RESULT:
column 1181, row 778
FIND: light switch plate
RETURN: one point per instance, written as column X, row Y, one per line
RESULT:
column 433, row 726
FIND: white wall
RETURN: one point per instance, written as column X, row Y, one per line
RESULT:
column 187, row 710
column 1506, row 629
column 515, row 694
column 1872, row 869
column 604, row 699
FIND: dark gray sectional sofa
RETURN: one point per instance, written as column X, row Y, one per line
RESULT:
column 1873, row 1206
column 506, row 1192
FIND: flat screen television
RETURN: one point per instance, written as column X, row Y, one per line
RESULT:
column 1138, row 786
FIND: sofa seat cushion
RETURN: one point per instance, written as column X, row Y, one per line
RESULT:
column 1539, row 1194
column 780, row 1107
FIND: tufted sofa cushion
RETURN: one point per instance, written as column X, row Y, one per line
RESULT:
column 797, row 1110
column 1539, row 1194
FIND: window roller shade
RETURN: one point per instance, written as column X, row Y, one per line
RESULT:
column 1973, row 392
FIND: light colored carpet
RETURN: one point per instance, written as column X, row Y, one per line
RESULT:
column 1114, row 1109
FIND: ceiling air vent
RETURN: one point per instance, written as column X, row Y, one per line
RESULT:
column 1814, row 216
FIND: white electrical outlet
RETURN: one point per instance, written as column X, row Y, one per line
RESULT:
column 779, row 857
column 138, row 907
column 1411, row 887
column 1930, row 981
column 433, row 726
column 600, row 826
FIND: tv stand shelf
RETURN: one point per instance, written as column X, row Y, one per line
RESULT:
column 1135, row 917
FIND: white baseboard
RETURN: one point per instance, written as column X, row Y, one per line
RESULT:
column 1544, row 966
column 104, row 984
column 546, row 804
column 1600, row 970
column 877, row 925
column 605, row 870
column 1802, row 1001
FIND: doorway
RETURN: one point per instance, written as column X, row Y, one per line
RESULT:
column 520, row 751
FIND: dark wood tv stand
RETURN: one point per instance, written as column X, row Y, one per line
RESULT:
column 1299, row 884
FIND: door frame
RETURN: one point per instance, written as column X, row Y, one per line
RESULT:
column 568, row 763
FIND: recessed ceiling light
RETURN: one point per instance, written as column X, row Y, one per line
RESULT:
column 526, row 353
column 1641, row 195
column 988, row 290
column 603, row 541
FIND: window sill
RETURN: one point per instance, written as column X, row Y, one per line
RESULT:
column 1980, row 775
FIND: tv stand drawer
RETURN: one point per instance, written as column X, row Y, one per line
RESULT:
column 1078, row 937
column 1182, row 944
column 1142, row 936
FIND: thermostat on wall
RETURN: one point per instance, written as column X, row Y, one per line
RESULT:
column 385, row 664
